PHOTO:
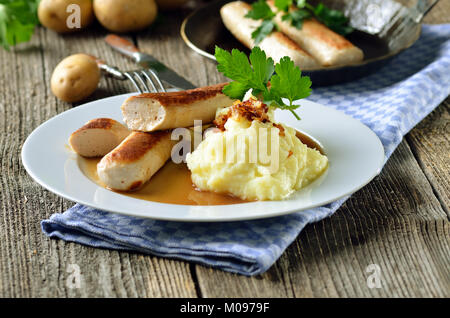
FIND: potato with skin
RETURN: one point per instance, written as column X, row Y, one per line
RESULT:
column 170, row 4
column 125, row 15
column 53, row 14
column 75, row 78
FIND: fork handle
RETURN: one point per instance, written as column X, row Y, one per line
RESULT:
column 122, row 45
column 110, row 70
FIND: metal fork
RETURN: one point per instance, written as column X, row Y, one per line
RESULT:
column 145, row 80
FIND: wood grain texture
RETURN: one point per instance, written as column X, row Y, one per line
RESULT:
column 166, row 45
column 439, row 13
column 429, row 141
column 399, row 221
column 32, row 265
column 394, row 222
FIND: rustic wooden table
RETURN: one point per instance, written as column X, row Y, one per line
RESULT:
column 399, row 221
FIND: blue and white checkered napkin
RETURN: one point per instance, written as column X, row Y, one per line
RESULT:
column 390, row 102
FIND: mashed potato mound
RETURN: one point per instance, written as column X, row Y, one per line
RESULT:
column 223, row 164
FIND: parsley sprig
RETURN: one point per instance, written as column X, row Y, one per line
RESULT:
column 334, row 19
column 261, row 11
column 17, row 21
column 257, row 71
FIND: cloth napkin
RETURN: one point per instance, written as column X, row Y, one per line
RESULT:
column 390, row 102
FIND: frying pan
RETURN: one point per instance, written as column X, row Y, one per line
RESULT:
column 383, row 28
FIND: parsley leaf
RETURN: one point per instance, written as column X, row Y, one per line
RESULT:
column 334, row 19
column 296, row 17
column 295, row 11
column 234, row 65
column 260, row 10
column 283, row 5
column 301, row 4
column 17, row 21
column 235, row 90
column 263, row 30
column 288, row 82
column 263, row 68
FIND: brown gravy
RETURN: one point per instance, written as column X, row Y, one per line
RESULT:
column 172, row 183
column 309, row 142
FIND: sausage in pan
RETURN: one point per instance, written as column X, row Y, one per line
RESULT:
column 326, row 46
column 276, row 45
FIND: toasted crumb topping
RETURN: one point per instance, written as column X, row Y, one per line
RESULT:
column 251, row 109
column 281, row 128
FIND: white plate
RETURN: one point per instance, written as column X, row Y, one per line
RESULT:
column 355, row 154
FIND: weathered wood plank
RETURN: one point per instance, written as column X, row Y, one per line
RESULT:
column 165, row 43
column 31, row 265
column 430, row 142
column 407, row 236
column 292, row 274
column 439, row 14
column 394, row 222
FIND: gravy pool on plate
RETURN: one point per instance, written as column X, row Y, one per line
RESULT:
column 172, row 183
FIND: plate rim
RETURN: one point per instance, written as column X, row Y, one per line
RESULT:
column 26, row 164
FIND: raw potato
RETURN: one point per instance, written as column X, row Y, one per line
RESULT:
column 53, row 14
column 125, row 15
column 170, row 4
column 75, row 78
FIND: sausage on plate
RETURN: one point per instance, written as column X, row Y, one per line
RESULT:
column 135, row 160
column 98, row 137
column 159, row 111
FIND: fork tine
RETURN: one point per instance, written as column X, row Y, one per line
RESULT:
column 157, row 80
column 149, row 79
column 130, row 77
column 141, row 77
column 142, row 81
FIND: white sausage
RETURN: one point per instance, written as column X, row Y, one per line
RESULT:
column 276, row 45
column 135, row 160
